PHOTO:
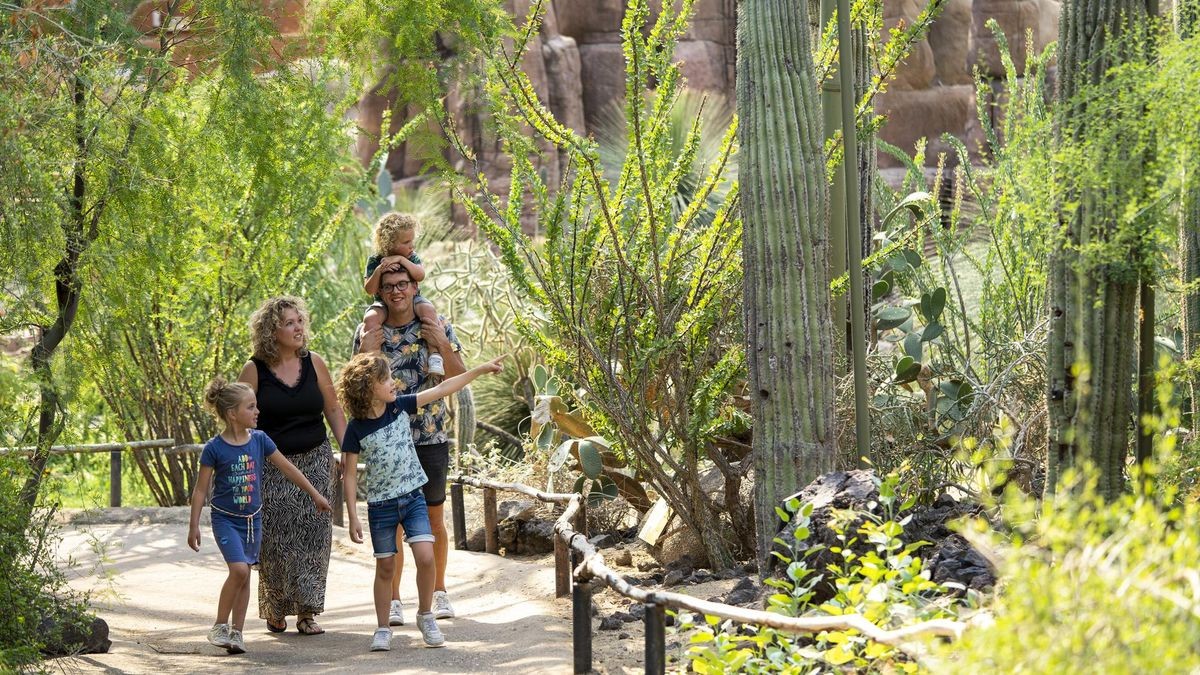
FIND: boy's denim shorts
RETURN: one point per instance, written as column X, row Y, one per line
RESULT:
column 407, row 511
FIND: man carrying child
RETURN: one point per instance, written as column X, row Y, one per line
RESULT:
column 407, row 341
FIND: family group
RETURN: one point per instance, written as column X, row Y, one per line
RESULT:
column 271, row 470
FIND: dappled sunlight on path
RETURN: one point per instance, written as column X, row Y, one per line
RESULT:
column 159, row 599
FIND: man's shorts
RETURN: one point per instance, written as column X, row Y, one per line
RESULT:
column 435, row 460
column 407, row 511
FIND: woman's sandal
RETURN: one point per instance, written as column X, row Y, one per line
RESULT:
column 277, row 627
column 307, row 626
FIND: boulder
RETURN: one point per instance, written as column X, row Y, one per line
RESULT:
column 590, row 20
column 712, row 20
column 521, row 509
column 950, row 556
column 67, row 634
column 603, row 69
column 563, row 72
column 949, row 42
column 703, row 65
column 1015, row 18
column 928, row 114
column 917, row 70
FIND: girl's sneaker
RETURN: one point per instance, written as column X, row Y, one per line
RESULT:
column 236, row 644
column 382, row 641
column 436, row 365
column 219, row 635
column 430, row 633
column 396, row 614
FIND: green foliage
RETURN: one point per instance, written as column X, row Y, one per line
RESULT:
column 884, row 581
column 31, row 585
column 1108, row 584
column 632, row 291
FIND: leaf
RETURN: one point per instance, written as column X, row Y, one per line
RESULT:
column 891, row 317
column 559, row 458
column 880, row 289
column 579, row 483
column 907, row 370
column 571, row 423
column 912, row 345
column 916, row 203
column 589, row 459
column 937, row 303
column 540, row 377
column 931, row 332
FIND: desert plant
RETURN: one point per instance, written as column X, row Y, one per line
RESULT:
column 633, row 303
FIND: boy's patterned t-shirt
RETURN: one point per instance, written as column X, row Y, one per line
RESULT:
column 237, row 471
column 386, row 445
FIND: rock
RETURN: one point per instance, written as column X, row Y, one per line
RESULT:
column 673, row 578
column 67, row 634
column 623, row 636
column 523, row 509
column 637, row 610
column 535, row 537
column 477, row 541
column 602, row 67
column 917, row 70
column 951, row 558
column 949, row 42
column 563, row 68
column 745, row 593
column 648, row 565
column 622, row 557
column 602, row 540
column 1015, row 18
column 702, row 63
column 616, row 620
column 590, row 20
column 912, row 115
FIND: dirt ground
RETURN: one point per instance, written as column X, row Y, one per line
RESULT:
column 158, row 598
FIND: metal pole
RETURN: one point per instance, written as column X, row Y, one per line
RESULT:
column 862, row 421
column 458, row 516
column 581, row 622
column 114, row 478
column 656, row 639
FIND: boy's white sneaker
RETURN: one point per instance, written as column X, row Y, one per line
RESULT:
column 382, row 641
column 236, row 644
column 442, row 609
column 436, row 365
column 430, row 633
column 396, row 614
column 219, row 635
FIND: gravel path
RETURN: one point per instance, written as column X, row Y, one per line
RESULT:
column 159, row 597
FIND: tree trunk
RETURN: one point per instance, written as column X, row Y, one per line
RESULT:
column 785, row 253
column 1093, row 311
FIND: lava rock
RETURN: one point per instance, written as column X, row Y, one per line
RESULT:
column 623, row 636
column 673, row 578
column 637, row 610
column 622, row 557
column 523, row 509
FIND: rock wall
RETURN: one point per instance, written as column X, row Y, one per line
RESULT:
column 578, row 67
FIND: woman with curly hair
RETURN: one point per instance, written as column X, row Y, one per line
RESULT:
column 295, row 400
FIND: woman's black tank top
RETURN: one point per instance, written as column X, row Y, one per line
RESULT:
column 291, row 416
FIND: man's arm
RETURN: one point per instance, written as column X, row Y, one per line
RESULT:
column 439, row 337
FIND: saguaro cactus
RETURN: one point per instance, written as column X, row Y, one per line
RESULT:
column 1093, row 303
column 785, row 252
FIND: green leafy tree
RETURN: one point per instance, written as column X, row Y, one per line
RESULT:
column 153, row 206
column 785, row 254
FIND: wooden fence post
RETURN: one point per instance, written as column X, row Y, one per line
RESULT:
column 458, row 517
column 114, row 478
column 491, row 529
column 562, row 568
column 581, row 622
column 656, row 636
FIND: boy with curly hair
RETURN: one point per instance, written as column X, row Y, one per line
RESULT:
column 379, row 429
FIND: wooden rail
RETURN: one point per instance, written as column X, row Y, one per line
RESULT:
column 114, row 450
column 588, row 570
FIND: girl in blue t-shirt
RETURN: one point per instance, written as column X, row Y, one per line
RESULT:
column 232, row 462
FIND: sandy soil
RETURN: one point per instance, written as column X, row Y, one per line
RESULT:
column 159, row 597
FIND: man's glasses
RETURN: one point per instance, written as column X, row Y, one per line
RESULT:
column 398, row 286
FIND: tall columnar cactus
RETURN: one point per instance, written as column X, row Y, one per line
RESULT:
column 1186, row 17
column 464, row 422
column 1093, row 299
column 785, row 252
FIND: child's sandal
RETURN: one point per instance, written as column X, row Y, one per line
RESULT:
column 307, row 626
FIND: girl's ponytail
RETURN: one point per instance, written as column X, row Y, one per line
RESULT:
column 221, row 397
